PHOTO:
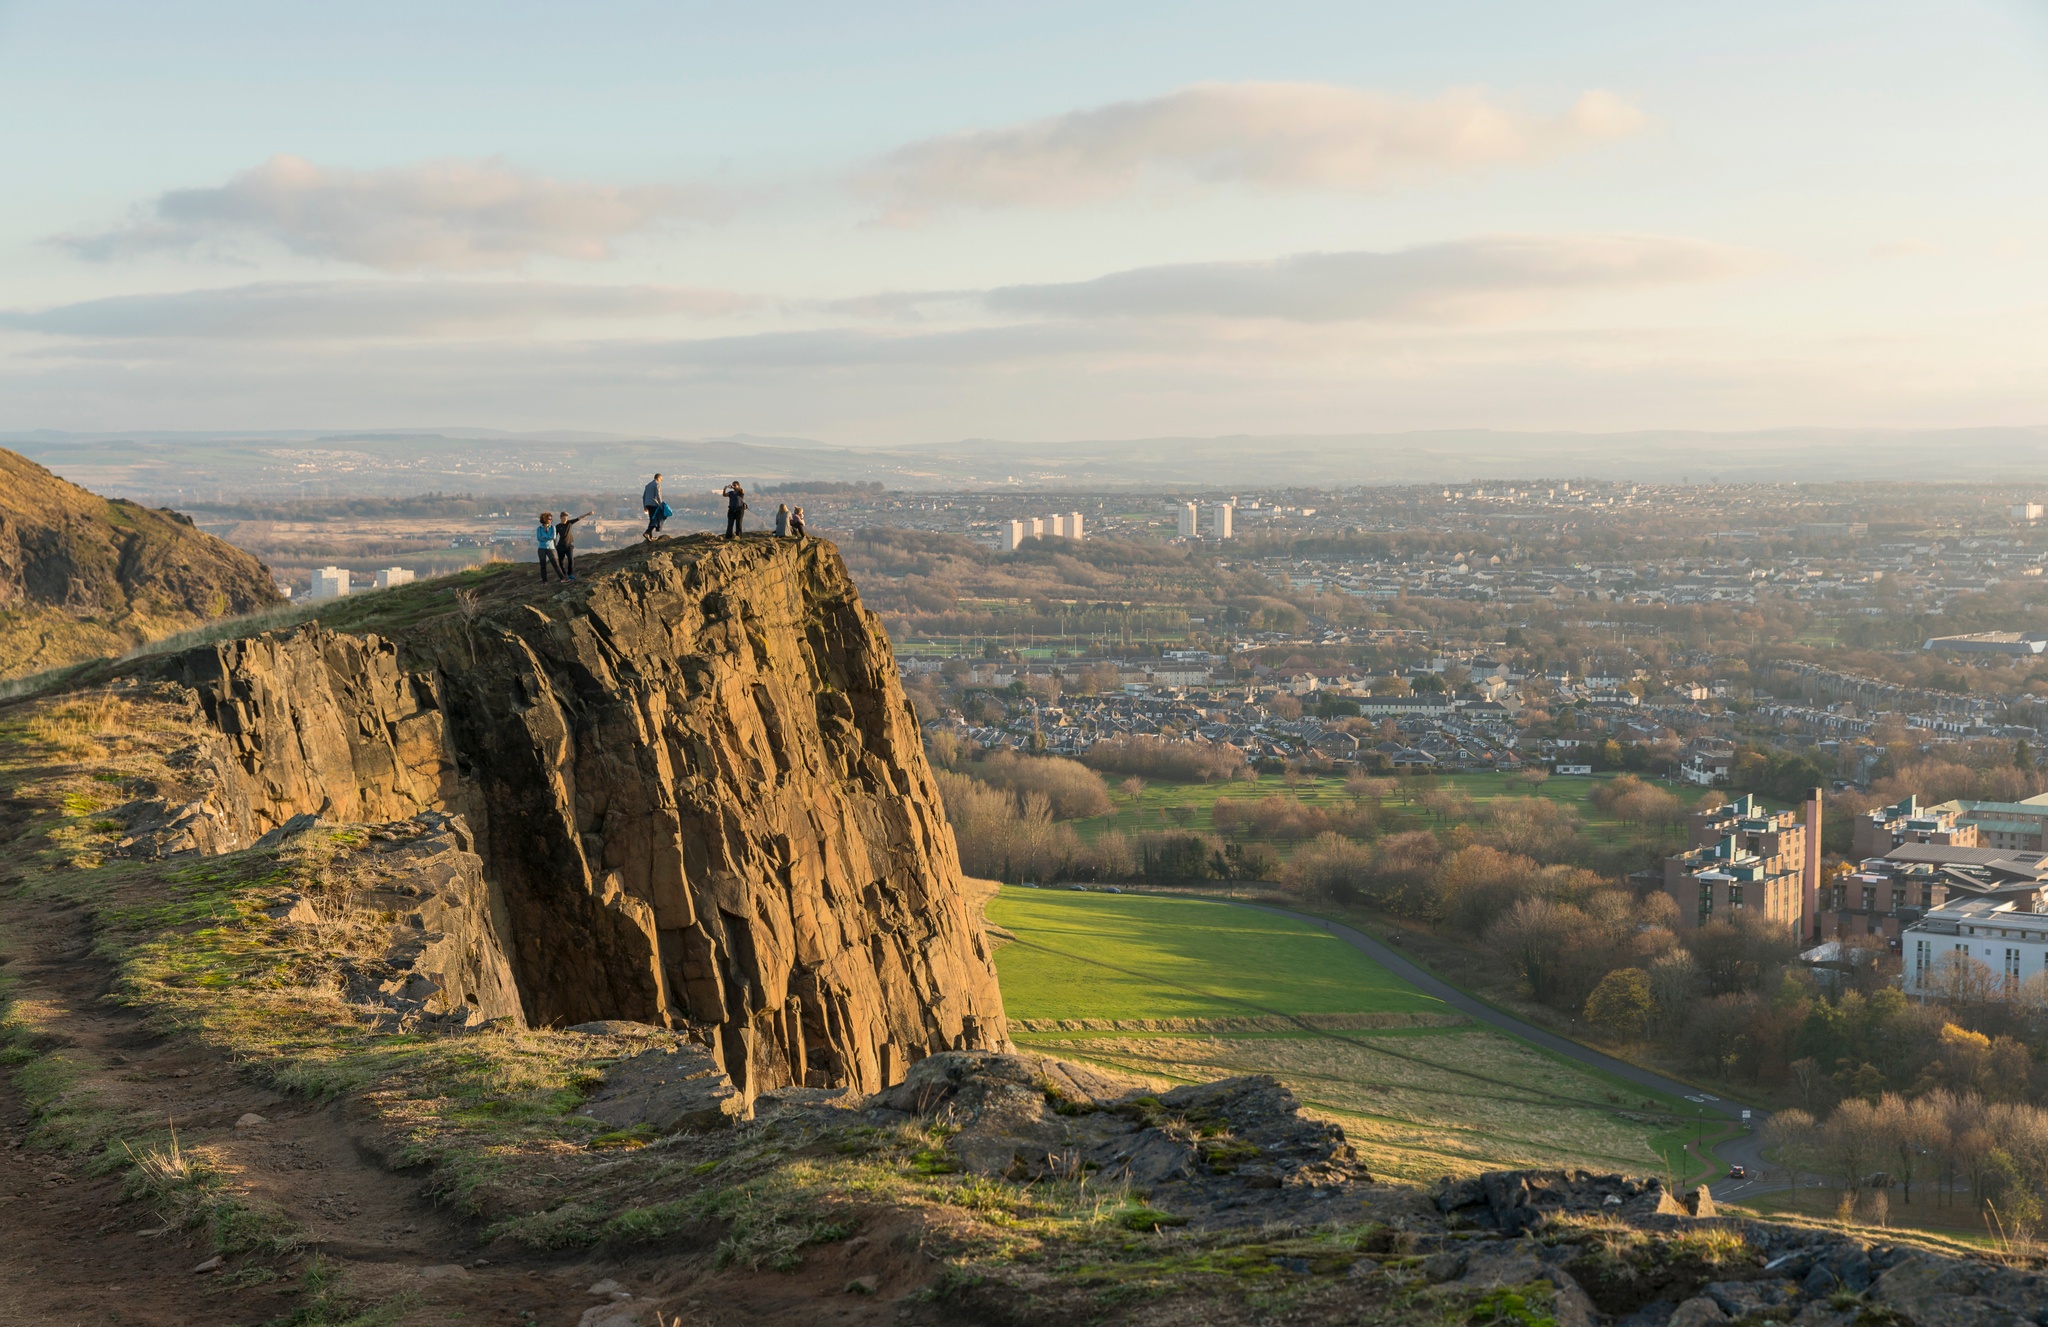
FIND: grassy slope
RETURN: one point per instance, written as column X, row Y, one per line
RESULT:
column 1418, row 1102
column 1130, row 956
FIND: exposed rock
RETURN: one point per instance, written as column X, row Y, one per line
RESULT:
column 82, row 576
column 1699, row 1311
column 1232, row 1152
column 699, row 796
column 442, row 966
column 673, row 1087
column 1514, row 1201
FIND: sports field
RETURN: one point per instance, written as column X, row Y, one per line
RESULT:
column 1418, row 1101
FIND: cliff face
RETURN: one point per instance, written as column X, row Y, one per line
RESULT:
column 695, row 783
column 82, row 576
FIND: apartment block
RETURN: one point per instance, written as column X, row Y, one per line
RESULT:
column 1190, row 520
column 1747, row 860
column 391, row 576
column 330, row 583
column 1876, row 833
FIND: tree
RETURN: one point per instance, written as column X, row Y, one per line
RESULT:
column 1391, row 685
column 1621, row 1005
column 1791, row 1139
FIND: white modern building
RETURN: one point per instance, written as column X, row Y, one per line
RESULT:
column 1190, row 520
column 1035, row 527
column 330, row 583
column 2026, row 511
column 1074, row 525
column 1940, row 948
column 1013, row 536
column 391, row 576
column 1219, row 520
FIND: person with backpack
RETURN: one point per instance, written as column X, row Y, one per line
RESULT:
column 782, row 520
column 565, row 544
column 544, row 539
column 657, row 510
column 735, row 508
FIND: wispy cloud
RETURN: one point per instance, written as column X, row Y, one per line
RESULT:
column 357, row 310
column 439, row 215
column 1267, row 135
column 1482, row 280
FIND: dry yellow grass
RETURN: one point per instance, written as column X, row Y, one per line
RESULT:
column 1415, row 1106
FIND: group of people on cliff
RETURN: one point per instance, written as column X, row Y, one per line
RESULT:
column 555, row 536
column 789, row 521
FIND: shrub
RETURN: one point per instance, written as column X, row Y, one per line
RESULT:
column 1074, row 791
column 1192, row 761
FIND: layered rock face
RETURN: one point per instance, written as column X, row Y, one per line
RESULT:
column 697, row 788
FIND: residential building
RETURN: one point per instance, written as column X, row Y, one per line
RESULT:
column 1707, row 761
column 1189, row 520
column 2025, row 511
column 1074, row 526
column 1876, row 833
column 1034, row 526
column 1886, row 894
column 1746, row 858
column 330, row 583
column 1219, row 520
column 1013, row 536
column 1994, row 945
column 1989, row 642
column 2011, row 826
column 391, row 576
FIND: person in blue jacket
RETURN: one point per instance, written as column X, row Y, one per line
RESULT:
column 544, row 539
column 650, row 498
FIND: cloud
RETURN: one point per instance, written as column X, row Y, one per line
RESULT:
column 355, row 310
column 1488, row 279
column 1267, row 135
column 444, row 215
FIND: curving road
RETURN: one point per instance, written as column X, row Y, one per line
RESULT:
column 1745, row 1149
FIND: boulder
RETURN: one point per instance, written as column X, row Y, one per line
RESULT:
column 674, row 1088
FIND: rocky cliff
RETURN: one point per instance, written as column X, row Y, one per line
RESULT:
column 697, row 789
column 82, row 576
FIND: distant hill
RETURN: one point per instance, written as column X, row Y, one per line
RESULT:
column 83, row 576
column 203, row 468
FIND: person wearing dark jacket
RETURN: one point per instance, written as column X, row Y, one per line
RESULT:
column 796, row 523
column 650, row 498
column 565, row 544
column 735, row 508
column 544, row 541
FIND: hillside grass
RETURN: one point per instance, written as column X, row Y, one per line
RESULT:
column 1129, row 956
column 1417, row 1102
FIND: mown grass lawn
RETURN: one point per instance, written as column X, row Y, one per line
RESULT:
column 1132, row 956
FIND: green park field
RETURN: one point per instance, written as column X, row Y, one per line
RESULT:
column 1425, row 1096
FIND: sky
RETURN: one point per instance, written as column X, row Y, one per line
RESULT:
column 908, row 223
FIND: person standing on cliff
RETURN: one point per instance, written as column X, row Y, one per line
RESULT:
column 544, row 540
column 735, row 508
column 565, row 544
column 782, row 520
column 650, row 498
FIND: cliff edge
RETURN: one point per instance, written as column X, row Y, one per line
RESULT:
column 83, row 576
column 697, row 789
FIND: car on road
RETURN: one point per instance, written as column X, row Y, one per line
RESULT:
column 1738, row 1172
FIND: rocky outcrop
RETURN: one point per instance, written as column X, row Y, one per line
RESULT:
column 697, row 790
column 1229, row 1153
column 83, row 576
